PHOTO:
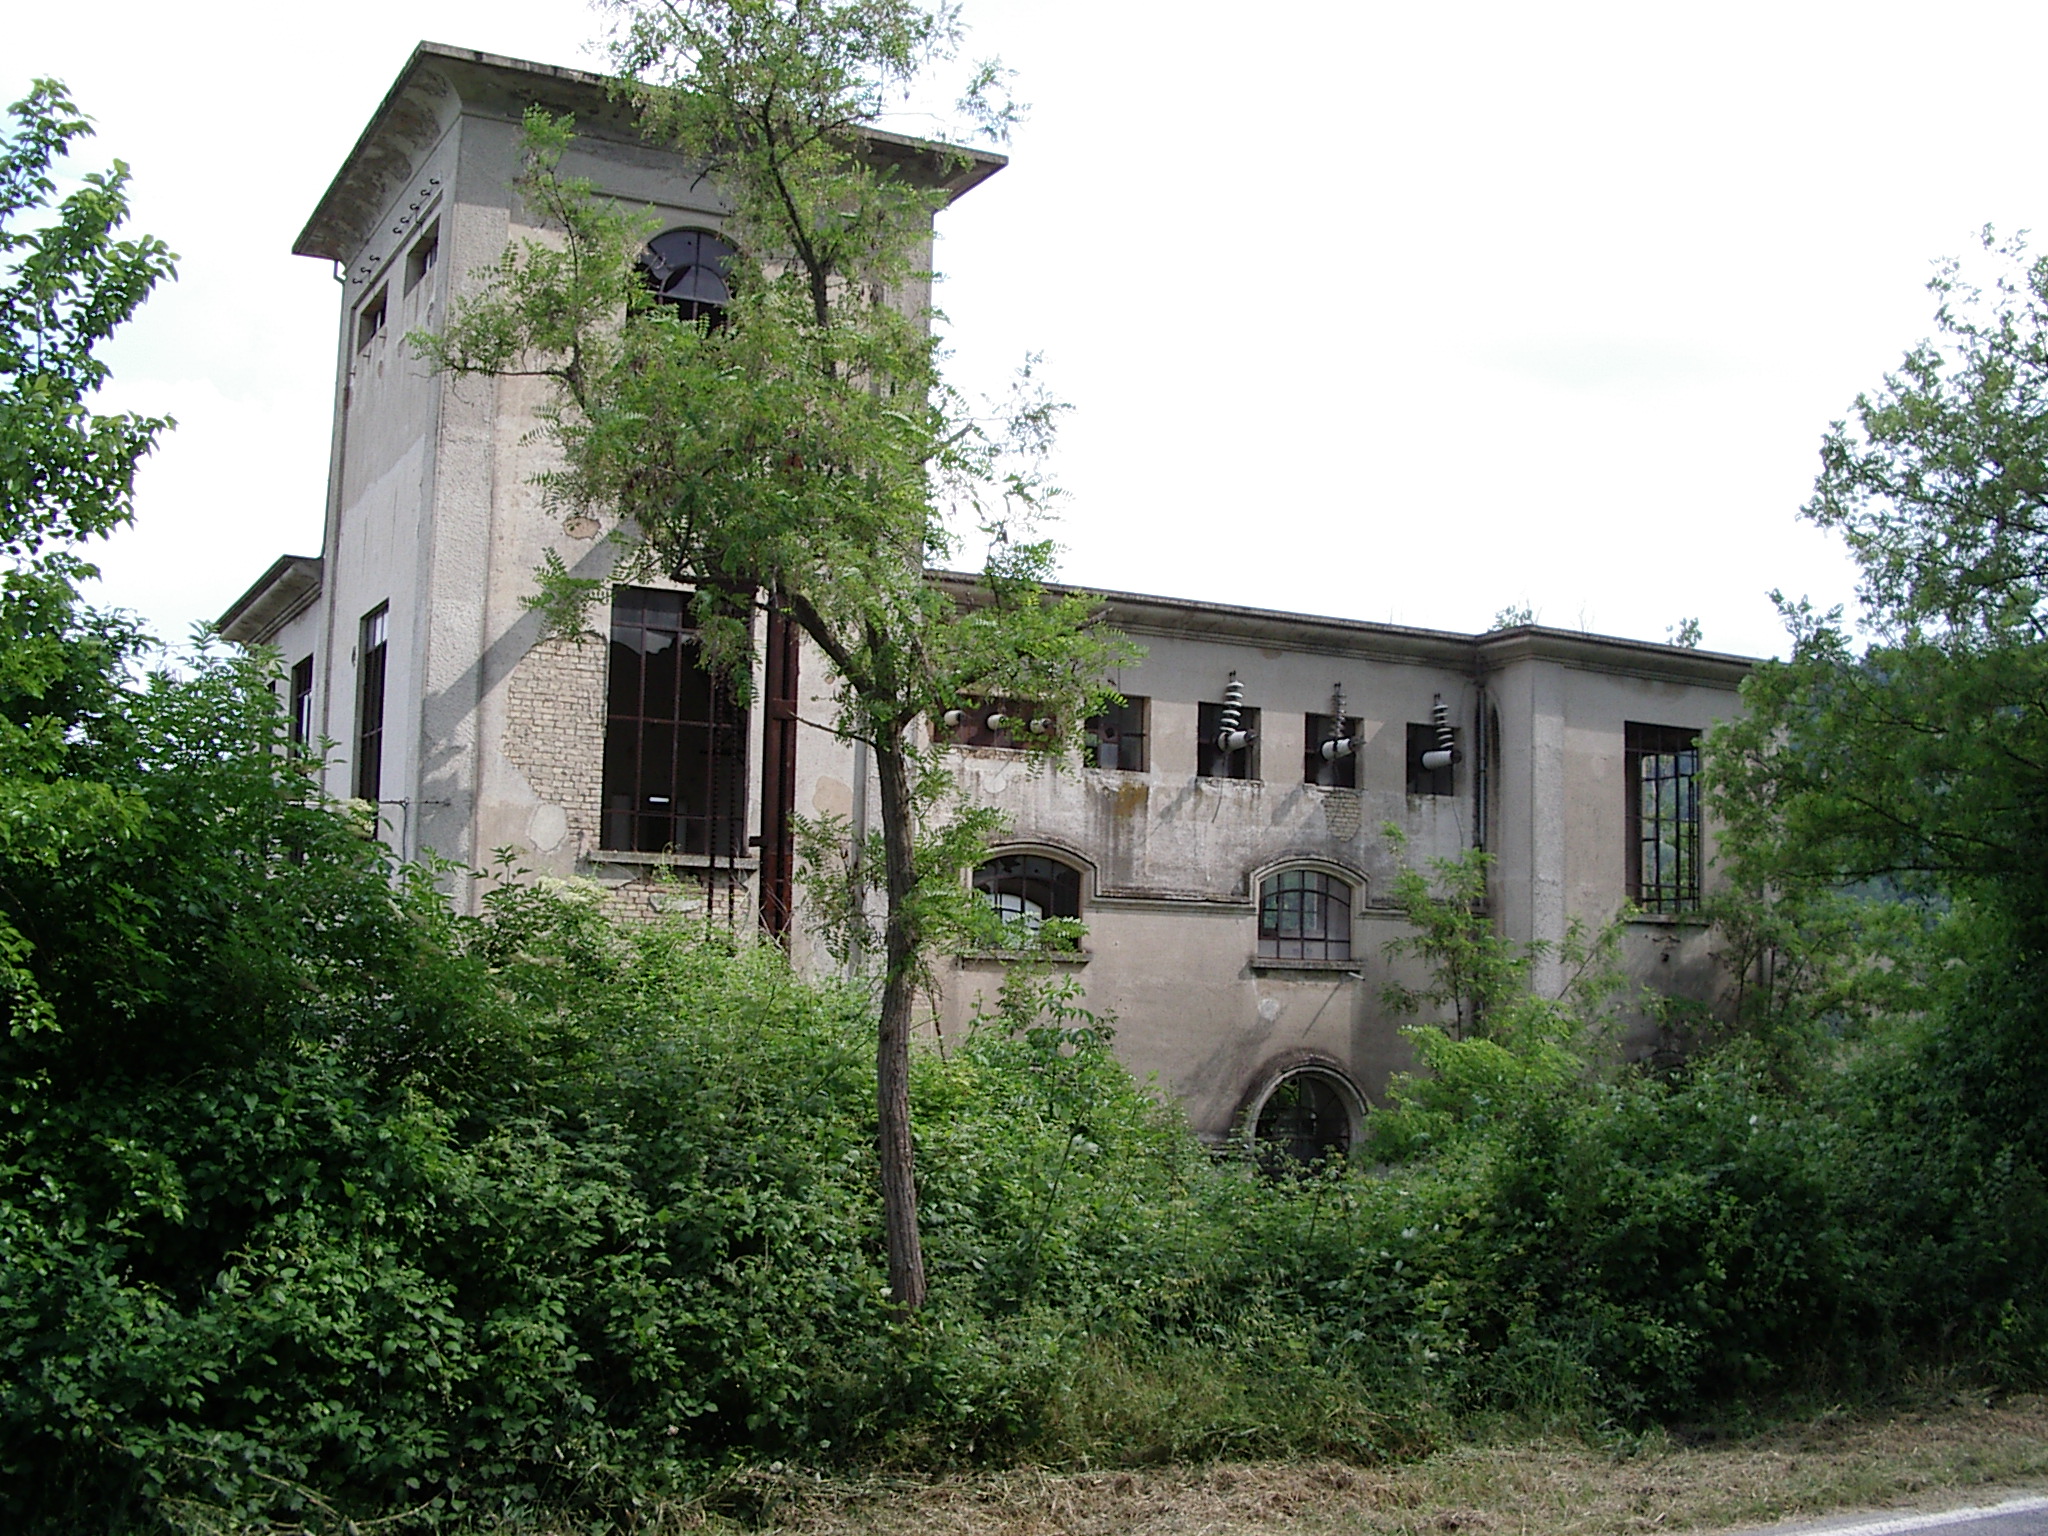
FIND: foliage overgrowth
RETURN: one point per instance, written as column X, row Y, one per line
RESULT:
column 320, row 1203
column 800, row 451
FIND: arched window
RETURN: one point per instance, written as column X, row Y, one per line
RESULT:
column 1304, row 1118
column 686, row 268
column 1304, row 914
column 1027, row 888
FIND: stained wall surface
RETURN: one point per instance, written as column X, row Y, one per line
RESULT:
column 493, row 733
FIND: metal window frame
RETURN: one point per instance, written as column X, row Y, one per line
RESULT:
column 299, row 716
column 373, row 660
column 1130, row 744
column 1321, row 905
column 1661, row 766
column 715, row 828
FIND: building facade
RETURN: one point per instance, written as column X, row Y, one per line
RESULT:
column 1223, row 848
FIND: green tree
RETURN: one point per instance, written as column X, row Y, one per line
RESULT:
column 1487, row 1036
column 67, row 474
column 801, row 451
column 1893, row 787
column 1920, row 759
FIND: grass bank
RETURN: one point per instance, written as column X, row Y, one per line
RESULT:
column 1962, row 1450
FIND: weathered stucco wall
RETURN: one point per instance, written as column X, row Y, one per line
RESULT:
column 494, row 736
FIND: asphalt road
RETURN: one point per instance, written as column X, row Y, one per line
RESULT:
column 2023, row 1516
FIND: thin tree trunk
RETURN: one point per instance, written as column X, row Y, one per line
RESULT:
column 892, row 1066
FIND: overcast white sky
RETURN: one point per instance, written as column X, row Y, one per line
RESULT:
column 1397, row 312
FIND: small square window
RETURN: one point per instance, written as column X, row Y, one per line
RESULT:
column 1116, row 737
column 1332, row 771
column 424, row 256
column 1422, row 779
column 370, row 323
column 1212, row 759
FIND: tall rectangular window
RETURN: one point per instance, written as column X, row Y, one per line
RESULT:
column 372, row 650
column 1215, row 761
column 299, row 719
column 675, row 738
column 370, row 321
column 1662, row 767
column 424, row 256
column 1116, row 737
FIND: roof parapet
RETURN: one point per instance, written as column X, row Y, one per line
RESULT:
column 439, row 82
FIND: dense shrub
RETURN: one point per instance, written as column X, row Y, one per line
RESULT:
column 312, row 1190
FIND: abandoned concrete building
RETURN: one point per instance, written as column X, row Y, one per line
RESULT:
column 1224, row 843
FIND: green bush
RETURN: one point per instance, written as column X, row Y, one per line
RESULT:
column 315, row 1196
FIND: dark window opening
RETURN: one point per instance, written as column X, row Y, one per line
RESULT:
column 1330, row 772
column 1027, row 888
column 1211, row 760
column 370, row 323
column 1008, row 724
column 1661, row 764
column 299, row 719
column 1428, row 781
column 674, row 739
column 1304, row 1120
column 1116, row 737
column 686, row 268
column 423, row 258
column 1304, row 915
column 372, row 653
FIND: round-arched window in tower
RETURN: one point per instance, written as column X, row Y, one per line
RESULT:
column 686, row 268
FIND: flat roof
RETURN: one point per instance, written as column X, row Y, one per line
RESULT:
column 1144, row 613
column 408, row 120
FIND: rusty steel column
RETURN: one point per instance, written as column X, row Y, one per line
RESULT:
column 778, row 778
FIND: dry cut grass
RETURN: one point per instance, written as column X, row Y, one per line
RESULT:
column 1963, row 1453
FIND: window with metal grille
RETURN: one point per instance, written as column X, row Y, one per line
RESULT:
column 686, row 268
column 1211, row 761
column 299, row 720
column 1330, row 772
column 1303, row 1120
column 1028, row 888
column 1662, row 766
column 372, row 652
column 675, row 738
column 1116, row 737
column 1304, row 915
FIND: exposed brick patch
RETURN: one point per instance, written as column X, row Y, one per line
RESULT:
column 554, row 735
column 716, row 898
column 554, row 730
